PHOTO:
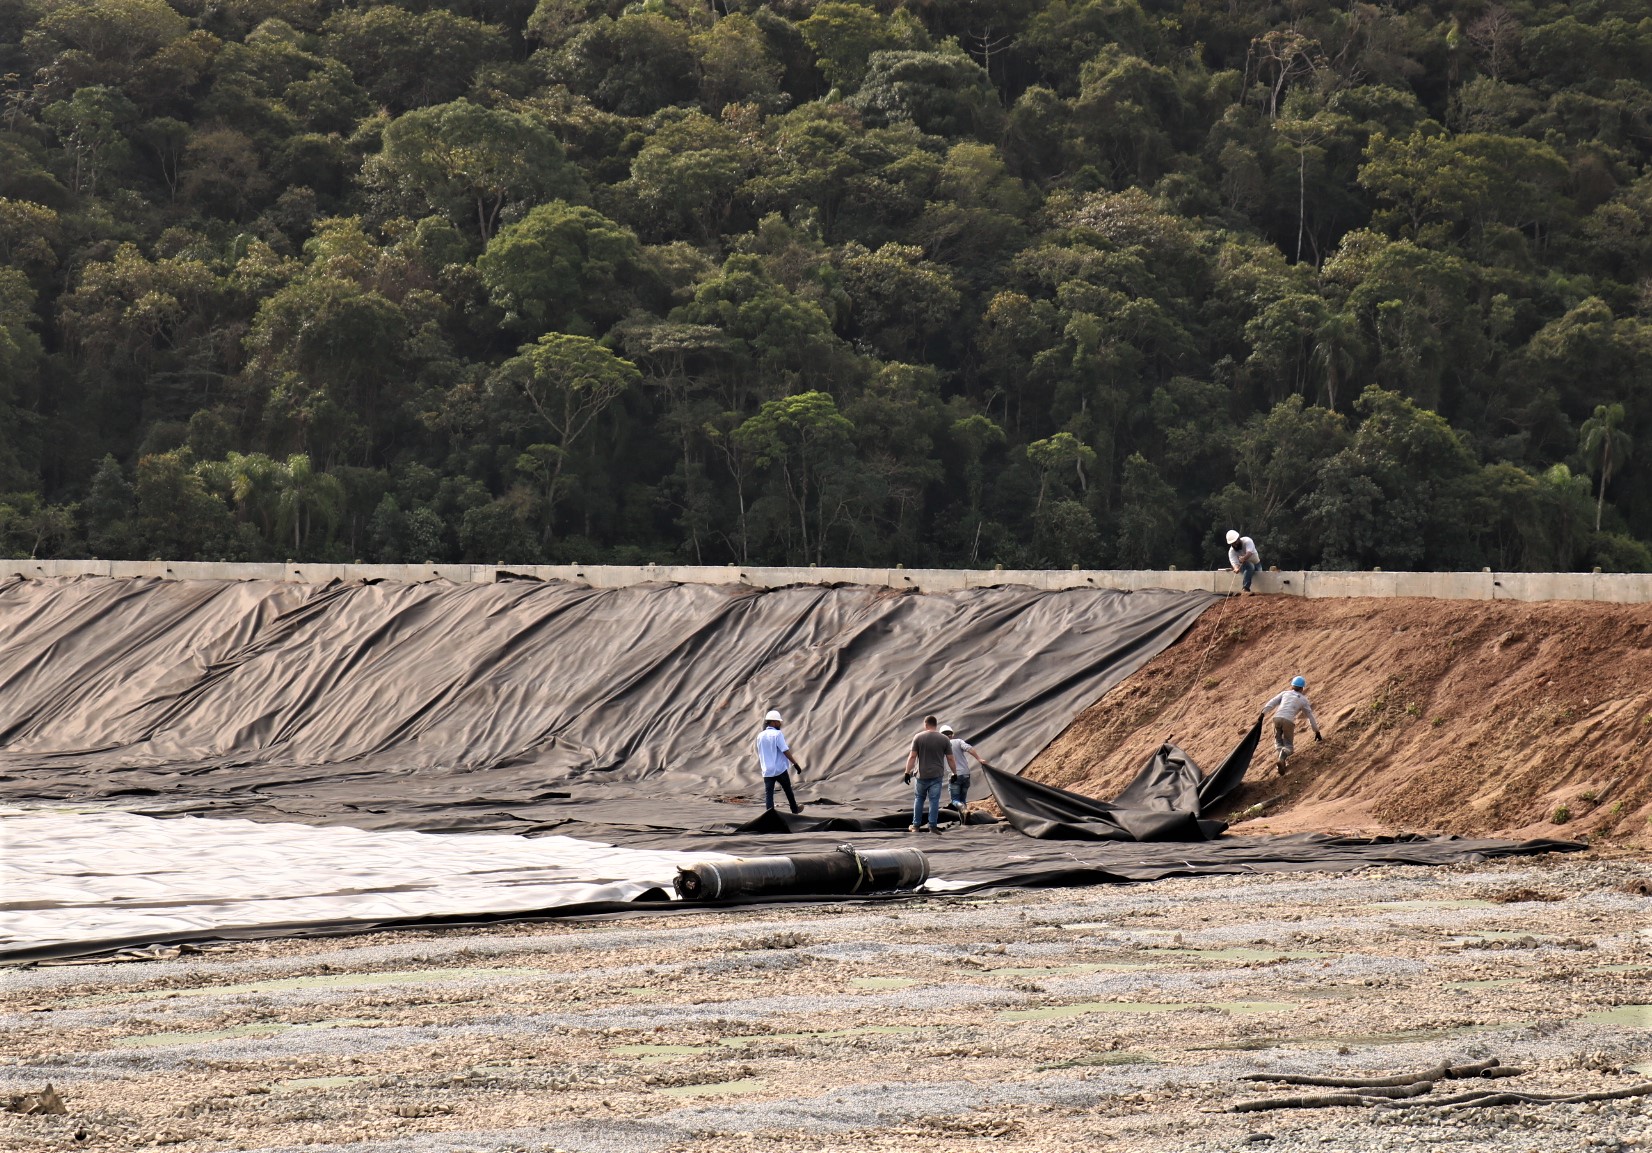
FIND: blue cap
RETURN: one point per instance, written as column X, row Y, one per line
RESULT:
column 1298, row 683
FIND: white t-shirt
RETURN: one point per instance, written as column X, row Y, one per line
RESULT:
column 960, row 749
column 771, row 750
column 1244, row 550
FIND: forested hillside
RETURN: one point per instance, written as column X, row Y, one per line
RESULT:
column 1032, row 282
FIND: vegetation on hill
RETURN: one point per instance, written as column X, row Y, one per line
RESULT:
column 1035, row 282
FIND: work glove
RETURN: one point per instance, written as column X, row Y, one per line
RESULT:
column 1319, row 736
column 906, row 778
column 953, row 777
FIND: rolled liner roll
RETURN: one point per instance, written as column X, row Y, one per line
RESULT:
column 844, row 871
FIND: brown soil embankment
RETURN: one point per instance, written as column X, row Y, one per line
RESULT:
column 1465, row 717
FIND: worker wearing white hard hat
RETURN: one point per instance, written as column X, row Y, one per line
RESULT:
column 775, row 755
column 1243, row 557
column 962, row 750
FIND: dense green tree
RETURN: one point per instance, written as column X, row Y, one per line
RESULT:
column 565, row 267
column 901, row 299
column 637, row 64
column 406, row 59
column 304, row 497
column 29, row 527
column 176, row 514
column 941, row 93
column 687, row 174
column 560, row 384
column 91, row 124
column 1148, row 511
column 469, row 162
column 844, row 36
column 802, row 438
column 736, row 64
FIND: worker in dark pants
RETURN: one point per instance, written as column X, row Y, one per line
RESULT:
column 777, row 760
column 1243, row 558
column 1286, row 707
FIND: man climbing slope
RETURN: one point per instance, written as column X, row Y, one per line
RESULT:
column 1244, row 558
column 1286, row 707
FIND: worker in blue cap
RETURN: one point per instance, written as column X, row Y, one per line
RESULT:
column 1286, row 707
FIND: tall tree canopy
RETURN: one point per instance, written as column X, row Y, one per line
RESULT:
column 1031, row 282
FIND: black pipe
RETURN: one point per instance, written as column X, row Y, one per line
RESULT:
column 845, row 871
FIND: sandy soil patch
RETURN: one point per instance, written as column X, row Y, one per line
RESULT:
column 1456, row 716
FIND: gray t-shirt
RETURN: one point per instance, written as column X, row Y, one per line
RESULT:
column 960, row 756
column 932, row 749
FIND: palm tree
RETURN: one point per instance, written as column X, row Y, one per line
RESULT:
column 304, row 495
column 251, row 482
column 1604, row 444
column 1336, row 353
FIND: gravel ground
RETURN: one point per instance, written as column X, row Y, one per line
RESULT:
column 1108, row 1018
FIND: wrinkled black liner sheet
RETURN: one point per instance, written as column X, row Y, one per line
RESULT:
column 491, row 707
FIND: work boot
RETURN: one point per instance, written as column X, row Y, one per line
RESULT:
column 913, row 829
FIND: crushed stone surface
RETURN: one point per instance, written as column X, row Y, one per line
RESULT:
column 1102, row 1018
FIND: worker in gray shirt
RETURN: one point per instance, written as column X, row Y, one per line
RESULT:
column 1286, row 707
column 928, row 765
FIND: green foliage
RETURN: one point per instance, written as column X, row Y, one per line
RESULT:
column 997, row 281
column 803, row 439
column 557, row 386
column 406, row 59
column 844, row 36
column 635, row 65
column 1604, row 445
column 941, row 93
column 563, row 267
column 469, row 162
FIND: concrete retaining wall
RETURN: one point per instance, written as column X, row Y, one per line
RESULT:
column 1616, row 588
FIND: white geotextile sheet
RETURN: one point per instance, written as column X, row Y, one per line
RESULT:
column 77, row 876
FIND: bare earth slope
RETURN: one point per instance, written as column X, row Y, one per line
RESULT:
column 1465, row 717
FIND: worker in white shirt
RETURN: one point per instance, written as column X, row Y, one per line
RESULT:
column 962, row 750
column 775, row 755
column 1286, row 707
column 1243, row 557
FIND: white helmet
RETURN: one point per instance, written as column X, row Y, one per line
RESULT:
column 773, row 715
column 1233, row 536
column 947, row 729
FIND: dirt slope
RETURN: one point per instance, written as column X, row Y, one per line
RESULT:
column 1458, row 716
